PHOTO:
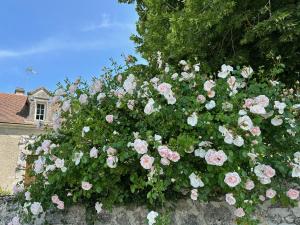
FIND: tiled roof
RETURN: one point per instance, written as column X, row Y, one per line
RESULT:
column 13, row 108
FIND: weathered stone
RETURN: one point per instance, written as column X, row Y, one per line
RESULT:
column 217, row 214
column 185, row 212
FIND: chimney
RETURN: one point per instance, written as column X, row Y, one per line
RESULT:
column 19, row 91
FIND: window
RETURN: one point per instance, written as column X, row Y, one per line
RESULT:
column 40, row 112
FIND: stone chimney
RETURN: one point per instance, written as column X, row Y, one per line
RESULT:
column 19, row 91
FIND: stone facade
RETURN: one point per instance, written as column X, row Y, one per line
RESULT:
column 185, row 212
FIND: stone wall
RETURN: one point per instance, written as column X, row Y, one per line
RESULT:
column 9, row 154
column 186, row 212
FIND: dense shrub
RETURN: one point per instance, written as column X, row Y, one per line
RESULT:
column 245, row 32
column 164, row 135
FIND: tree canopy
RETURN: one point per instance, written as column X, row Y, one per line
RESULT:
column 234, row 32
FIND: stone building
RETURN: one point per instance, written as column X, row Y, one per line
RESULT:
column 21, row 115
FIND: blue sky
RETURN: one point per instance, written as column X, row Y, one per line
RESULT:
column 61, row 38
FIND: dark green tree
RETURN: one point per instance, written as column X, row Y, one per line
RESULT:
column 257, row 33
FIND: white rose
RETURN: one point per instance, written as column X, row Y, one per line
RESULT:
column 195, row 181
column 245, row 123
column 210, row 105
column 192, row 120
column 276, row 121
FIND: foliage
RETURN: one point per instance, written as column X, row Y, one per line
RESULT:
column 257, row 33
column 4, row 192
column 153, row 135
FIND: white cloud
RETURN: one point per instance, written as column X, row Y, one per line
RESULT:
column 63, row 44
column 105, row 23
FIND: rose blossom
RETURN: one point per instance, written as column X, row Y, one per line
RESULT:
column 261, row 100
column 245, row 123
column 86, row 185
column 94, row 153
column 61, row 205
column 151, row 217
column 36, row 208
column 164, row 88
column 83, row 99
column 208, row 85
column 262, row 198
column 15, row 221
column 174, row 156
column 146, row 161
column 216, row 158
column 230, row 199
column 201, row 99
column 165, row 161
column 195, row 181
column 249, row 185
column 248, row 103
column 140, row 146
column 270, row 193
column 192, row 120
column 111, row 161
column 98, row 207
column 232, row 179
column 293, row 194
column 55, row 199
column 255, row 131
column 239, row 212
column 194, row 194
column 109, row 118
column 149, row 108
column 164, row 151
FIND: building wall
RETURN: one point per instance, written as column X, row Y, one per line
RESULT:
column 10, row 137
column 9, row 154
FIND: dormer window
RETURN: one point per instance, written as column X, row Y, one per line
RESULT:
column 40, row 111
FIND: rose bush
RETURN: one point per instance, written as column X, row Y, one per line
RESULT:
column 164, row 134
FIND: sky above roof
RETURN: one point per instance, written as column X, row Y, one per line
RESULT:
column 43, row 42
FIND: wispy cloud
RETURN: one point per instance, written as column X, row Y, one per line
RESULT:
column 60, row 44
column 106, row 23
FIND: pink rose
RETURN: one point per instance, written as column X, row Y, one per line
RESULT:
column 230, row 199
column 146, row 161
column 140, row 146
column 109, row 118
column 269, row 171
column 232, row 179
column 60, row 205
column 201, row 99
column 248, row 103
column 216, row 158
column 261, row 100
column 111, row 161
column 293, row 194
column 164, row 151
column 194, row 194
column 55, row 199
column 270, row 193
column 231, row 81
column 262, row 198
column 255, row 131
column 208, row 85
column 174, row 156
column 164, row 88
column 249, row 185
column 239, row 212
column 165, row 161
column 93, row 153
column 86, row 185
column 111, row 151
